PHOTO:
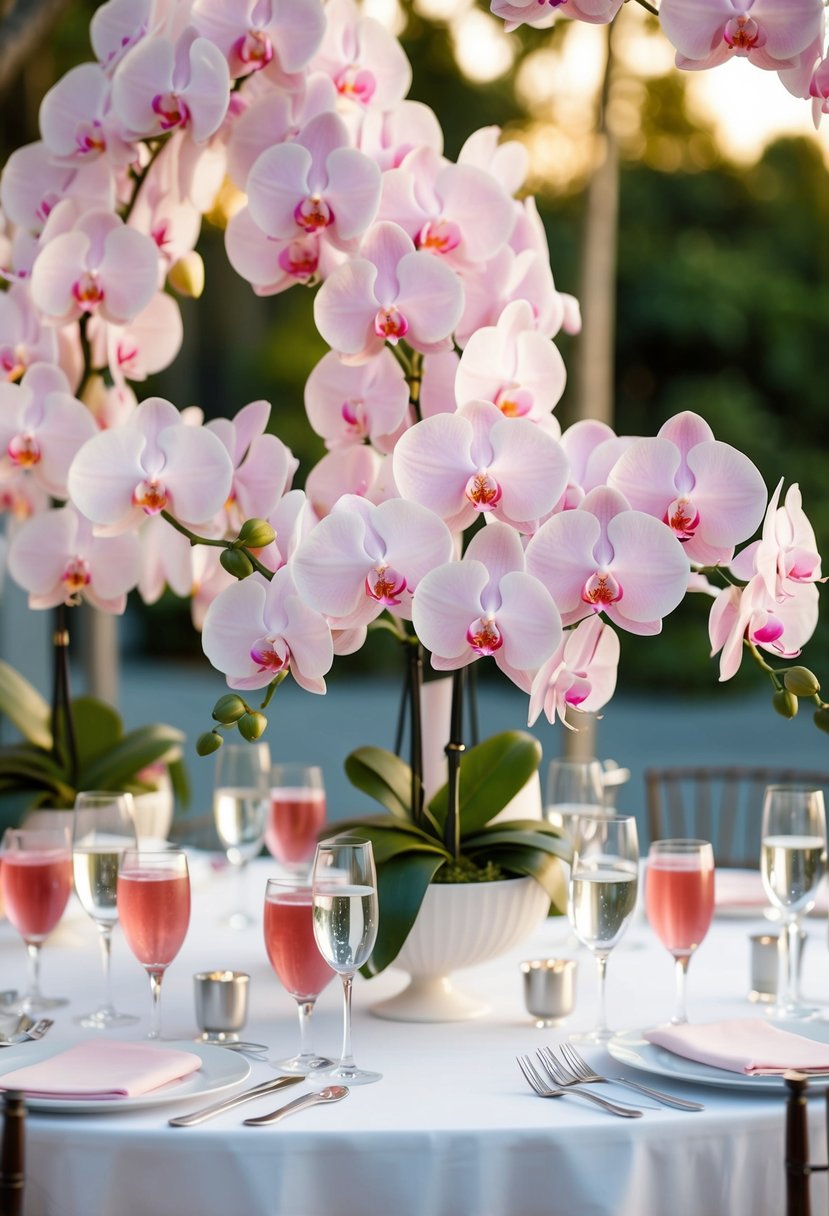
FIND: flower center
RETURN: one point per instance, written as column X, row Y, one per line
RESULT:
column 24, row 450
column 356, row 82
column 389, row 323
column 439, row 236
column 300, row 258
column 483, row 491
column 514, row 402
column 601, row 590
column 484, row 636
column 87, row 291
column 255, row 49
column 682, row 518
column 313, row 213
column 743, row 33
column 171, row 110
column 76, row 575
column 354, row 415
column 13, row 362
column 151, row 496
column 386, row 585
column 89, row 138
column 765, row 627
column 271, row 654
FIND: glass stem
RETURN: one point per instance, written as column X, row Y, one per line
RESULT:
column 305, row 1009
column 346, row 1059
column 33, row 951
column 790, row 944
column 681, row 968
column 240, row 868
column 601, row 964
column 106, row 958
column 156, row 976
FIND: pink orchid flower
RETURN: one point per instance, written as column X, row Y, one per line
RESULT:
column 256, row 629
column 818, row 90
column 363, row 559
column 364, row 60
column 709, row 494
column 316, row 185
column 769, row 33
column 57, row 559
column 24, row 339
column 511, row 276
column 351, row 470
column 507, row 162
column 20, row 498
column 349, row 404
column 292, row 519
column 457, row 212
column 541, row 12
column 786, row 556
column 476, row 461
column 100, row 266
column 163, row 213
column 209, row 579
column 33, row 183
column 42, row 427
column 167, row 560
column 274, row 118
column 580, row 675
column 751, row 614
column 263, row 467
column 78, row 123
column 592, row 448
column 272, row 266
column 253, row 34
column 487, row 604
column 155, row 461
column 388, row 136
column 145, row 345
column 161, row 86
column 605, row 557
column 388, row 292
column 437, row 386
column 513, row 366
column 116, row 26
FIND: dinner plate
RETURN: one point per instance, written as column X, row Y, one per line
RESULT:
column 220, row 1069
column 632, row 1049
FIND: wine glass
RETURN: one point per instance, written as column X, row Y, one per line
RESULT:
column 344, row 892
column 154, row 907
column 240, row 811
column 574, row 787
column 679, row 900
column 604, row 879
column 36, row 879
column 296, row 959
column 103, row 827
column 297, row 814
column 792, row 858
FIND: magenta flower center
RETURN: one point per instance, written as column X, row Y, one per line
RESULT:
column 483, row 491
column 12, row 362
column 76, row 575
column 151, row 496
column 484, row 636
column 89, row 138
column 24, row 450
column 87, row 291
column 172, row 111
column 601, row 590
column 254, row 49
column 354, row 416
column 514, row 402
column 765, row 627
column 300, row 259
column 271, row 655
column 682, row 518
column 356, row 82
column 439, row 236
column 389, row 323
column 743, row 33
column 313, row 214
column 385, row 585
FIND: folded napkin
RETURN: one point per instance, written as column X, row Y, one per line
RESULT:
column 101, row 1069
column 744, row 1045
column 743, row 889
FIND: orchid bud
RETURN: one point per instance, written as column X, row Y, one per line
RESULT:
column 236, row 563
column 208, row 742
column 822, row 718
column 256, row 533
column 801, row 681
column 785, row 703
column 229, row 709
column 186, row 276
column 252, row 725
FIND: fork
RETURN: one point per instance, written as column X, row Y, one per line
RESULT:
column 36, row 1031
column 546, row 1091
column 580, row 1070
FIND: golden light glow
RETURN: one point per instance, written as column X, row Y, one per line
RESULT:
column 483, row 51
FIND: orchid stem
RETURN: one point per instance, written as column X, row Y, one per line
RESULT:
column 649, row 8
column 217, row 544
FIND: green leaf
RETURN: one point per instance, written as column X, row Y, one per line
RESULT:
column 98, row 727
column 507, row 833
column 141, row 747
column 384, row 777
column 180, row 780
column 401, row 884
column 390, row 839
column 24, row 706
column 543, row 867
column 491, row 775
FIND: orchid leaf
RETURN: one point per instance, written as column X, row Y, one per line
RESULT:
column 545, row 868
column 406, row 835
column 98, row 728
column 491, row 775
column 24, row 707
column 384, row 777
column 141, row 747
column 510, row 834
column 402, row 882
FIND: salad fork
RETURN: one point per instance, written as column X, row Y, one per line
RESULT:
column 546, row 1091
column 580, row 1071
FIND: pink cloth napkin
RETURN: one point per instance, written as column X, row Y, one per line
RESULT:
column 744, row 1045
column 101, row 1069
column 736, row 889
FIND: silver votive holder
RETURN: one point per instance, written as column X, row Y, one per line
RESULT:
column 765, row 965
column 549, row 989
column 221, row 1004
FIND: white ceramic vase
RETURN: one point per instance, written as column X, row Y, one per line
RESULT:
column 458, row 926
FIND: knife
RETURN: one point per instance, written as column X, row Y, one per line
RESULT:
column 247, row 1095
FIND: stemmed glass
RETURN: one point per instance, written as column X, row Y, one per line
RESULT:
column 36, row 880
column 297, row 814
column 792, row 858
column 679, row 900
column 154, row 907
column 346, row 910
column 604, row 879
column 574, row 787
column 295, row 957
column 240, row 811
column 103, row 827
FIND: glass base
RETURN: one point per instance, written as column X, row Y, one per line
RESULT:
column 238, row 920
column 798, row 1012
column 601, row 1034
column 339, row 1075
column 37, row 1003
column 105, row 1018
column 301, row 1066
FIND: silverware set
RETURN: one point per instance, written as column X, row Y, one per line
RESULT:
column 568, row 1074
column 331, row 1093
column 25, row 1030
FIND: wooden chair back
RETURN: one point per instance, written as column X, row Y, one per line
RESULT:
column 798, row 1167
column 12, row 1155
column 720, row 803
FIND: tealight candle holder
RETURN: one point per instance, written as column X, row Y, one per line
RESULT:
column 221, row 1004
column 549, row 989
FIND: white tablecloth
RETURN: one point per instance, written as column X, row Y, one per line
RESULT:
column 451, row 1130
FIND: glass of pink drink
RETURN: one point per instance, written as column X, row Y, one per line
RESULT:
column 296, row 815
column 295, row 957
column 154, row 910
column 36, row 881
column 679, row 900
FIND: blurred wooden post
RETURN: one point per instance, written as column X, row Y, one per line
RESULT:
column 12, row 1155
column 797, row 1146
column 100, row 651
column 595, row 364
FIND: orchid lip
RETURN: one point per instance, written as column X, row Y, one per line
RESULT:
column 389, row 323
column 313, row 214
column 24, row 450
column 171, row 110
column 268, row 658
column 682, row 518
column 386, row 585
column 483, row 491
column 484, row 636
column 151, row 496
column 254, row 49
column 600, row 590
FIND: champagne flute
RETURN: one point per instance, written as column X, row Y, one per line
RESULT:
column 103, row 827
column 240, row 810
column 679, row 900
column 574, row 787
column 344, row 891
column 297, row 814
column 154, row 906
column 296, row 959
column 602, row 896
column 36, row 879
column 792, row 858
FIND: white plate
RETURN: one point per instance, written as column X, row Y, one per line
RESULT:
column 632, row 1049
column 220, row 1069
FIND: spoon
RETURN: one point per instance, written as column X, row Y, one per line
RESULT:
column 331, row 1093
